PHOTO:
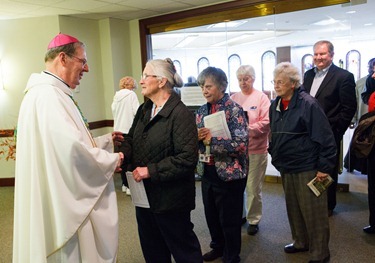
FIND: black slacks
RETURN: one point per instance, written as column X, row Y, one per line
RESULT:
column 166, row 234
column 331, row 191
column 371, row 186
column 223, row 204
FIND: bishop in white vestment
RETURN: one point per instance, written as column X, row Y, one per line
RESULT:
column 65, row 202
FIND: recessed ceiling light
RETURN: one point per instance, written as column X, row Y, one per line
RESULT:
column 230, row 24
column 351, row 12
column 325, row 22
column 187, row 40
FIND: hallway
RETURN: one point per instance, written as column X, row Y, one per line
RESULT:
column 348, row 244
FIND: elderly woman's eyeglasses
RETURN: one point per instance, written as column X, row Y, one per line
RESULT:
column 145, row 76
column 278, row 82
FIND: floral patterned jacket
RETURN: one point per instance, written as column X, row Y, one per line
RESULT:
column 230, row 155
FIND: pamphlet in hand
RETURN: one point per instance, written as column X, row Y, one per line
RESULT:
column 217, row 124
column 139, row 196
column 319, row 187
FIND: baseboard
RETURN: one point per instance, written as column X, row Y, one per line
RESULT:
column 341, row 187
column 344, row 188
column 272, row 179
column 6, row 182
column 268, row 178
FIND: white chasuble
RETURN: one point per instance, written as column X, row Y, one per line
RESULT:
column 65, row 207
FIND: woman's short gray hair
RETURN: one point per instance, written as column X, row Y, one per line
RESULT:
column 247, row 70
column 165, row 68
column 289, row 70
column 217, row 76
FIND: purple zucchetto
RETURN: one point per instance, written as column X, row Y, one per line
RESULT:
column 61, row 40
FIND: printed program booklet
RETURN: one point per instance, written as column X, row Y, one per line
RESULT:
column 319, row 187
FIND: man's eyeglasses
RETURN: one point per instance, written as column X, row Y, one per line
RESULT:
column 82, row 60
column 145, row 76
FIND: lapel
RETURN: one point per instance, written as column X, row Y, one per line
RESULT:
column 327, row 79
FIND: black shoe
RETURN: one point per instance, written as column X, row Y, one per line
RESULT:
column 369, row 229
column 325, row 260
column 252, row 230
column 330, row 212
column 212, row 255
column 292, row 249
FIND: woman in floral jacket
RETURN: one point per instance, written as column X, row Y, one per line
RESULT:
column 225, row 167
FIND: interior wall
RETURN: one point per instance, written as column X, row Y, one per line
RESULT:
column 135, row 55
column 22, row 50
column 109, row 45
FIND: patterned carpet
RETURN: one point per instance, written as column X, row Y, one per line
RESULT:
column 348, row 242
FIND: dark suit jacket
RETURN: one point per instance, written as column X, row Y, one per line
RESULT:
column 337, row 97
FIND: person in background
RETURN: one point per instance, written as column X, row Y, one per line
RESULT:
column 360, row 87
column 370, row 229
column 164, row 156
column 65, row 207
column 225, row 169
column 192, row 82
column 351, row 162
column 334, row 88
column 124, row 107
column 302, row 147
column 370, row 86
column 256, row 104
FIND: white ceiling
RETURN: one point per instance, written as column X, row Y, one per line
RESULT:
column 349, row 22
column 355, row 21
column 96, row 9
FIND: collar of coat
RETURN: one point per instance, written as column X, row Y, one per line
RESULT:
column 167, row 109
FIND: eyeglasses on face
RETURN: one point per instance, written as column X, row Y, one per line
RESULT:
column 244, row 79
column 145, row 76
column 82, row 60
column 207, row 87
column 278, row 83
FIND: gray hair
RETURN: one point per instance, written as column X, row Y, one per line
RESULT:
column 166, row 69
column 217, row 76
column 69, row 49
column 289, row 70
column 246, row 70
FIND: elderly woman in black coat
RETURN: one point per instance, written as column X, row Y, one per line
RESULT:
column 164, row 156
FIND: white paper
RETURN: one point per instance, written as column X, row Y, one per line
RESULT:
column 138, row 191
column 217, row 124
column 192, row 96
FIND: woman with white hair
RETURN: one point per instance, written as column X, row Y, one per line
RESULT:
column 302, row 148
column 164, row 145
column 256, row 104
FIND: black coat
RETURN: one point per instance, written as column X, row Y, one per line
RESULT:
column 168, row 146
column 363, row 139
column 369, row 88
column 336, row 95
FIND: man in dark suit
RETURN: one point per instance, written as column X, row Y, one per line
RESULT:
column 334, row 88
